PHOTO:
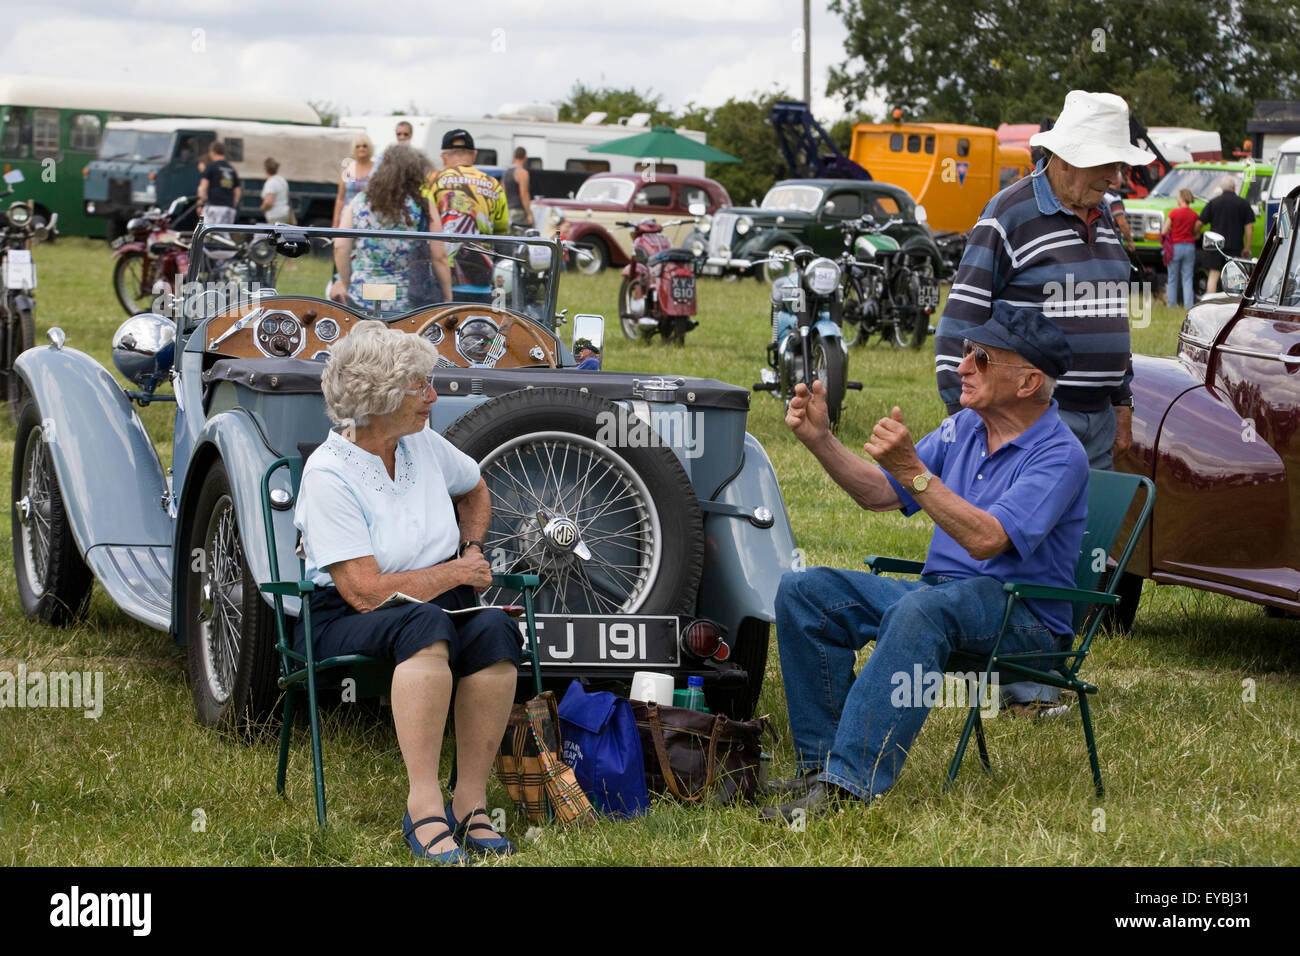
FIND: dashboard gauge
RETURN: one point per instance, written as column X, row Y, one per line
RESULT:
column 288, row 326
column 327, row 330
column 474, row 338
column 280, row 334
column 270, row 326
column 434, row 334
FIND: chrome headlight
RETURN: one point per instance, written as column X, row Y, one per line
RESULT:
column 554, row 218
column 144, row 348
column 704, row 226
column 743, row 225
column 19, row 214
column 539, row 258
column 697, row 248
column 822, row 276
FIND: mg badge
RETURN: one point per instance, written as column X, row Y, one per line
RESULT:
column 562, row 532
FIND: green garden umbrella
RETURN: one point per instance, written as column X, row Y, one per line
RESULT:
column 663, row 142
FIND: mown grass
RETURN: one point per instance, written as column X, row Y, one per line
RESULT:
column 1195, row 773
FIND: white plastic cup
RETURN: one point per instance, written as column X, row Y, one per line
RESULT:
column 652, row 688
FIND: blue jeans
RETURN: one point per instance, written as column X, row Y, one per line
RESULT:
column 1181, row 268
column 851, row 728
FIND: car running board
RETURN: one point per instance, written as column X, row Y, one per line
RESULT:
column 138, row 578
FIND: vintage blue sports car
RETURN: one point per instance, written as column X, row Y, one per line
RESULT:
column 654, row 520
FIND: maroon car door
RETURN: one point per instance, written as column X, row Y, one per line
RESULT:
column 1228, row 456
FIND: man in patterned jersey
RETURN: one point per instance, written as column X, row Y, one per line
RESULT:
column 1050, row 242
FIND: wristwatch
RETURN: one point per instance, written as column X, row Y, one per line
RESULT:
column 469, row 544
column 922, row 481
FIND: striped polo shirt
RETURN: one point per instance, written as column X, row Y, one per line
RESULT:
column 1030, row 251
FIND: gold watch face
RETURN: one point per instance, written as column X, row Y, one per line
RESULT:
column 921, row 481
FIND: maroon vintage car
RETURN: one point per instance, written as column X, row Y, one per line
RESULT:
column 588, row 218
column 1216, row 428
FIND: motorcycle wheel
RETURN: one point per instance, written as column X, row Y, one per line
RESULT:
column 553, row 455
column 129, row 278
column 628, row 322
column 912, row 323
column 749, row 653
column 53, row 581
column 229, row 630
column 828, row 365
column 853, row 313
column 599, row 258
column 19, row 335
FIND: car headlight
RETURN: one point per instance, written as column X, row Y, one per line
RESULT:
column 19, row 214
column 1155, row 222
column 743, row 225
column 704, row 226
column 822, row 276
column 697, row 248
column 555, row 218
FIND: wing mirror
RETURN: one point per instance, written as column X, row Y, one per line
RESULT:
column 144, row 347
column 921, row 215
column 1212, row 240
column 1233, row 277
column 697, row 208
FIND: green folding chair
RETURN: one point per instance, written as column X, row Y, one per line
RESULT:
column 1110, row 495
column 372, row 676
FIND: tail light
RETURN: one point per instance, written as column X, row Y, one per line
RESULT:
column 703, row 639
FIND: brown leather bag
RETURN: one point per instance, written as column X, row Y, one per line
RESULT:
column 689, row 753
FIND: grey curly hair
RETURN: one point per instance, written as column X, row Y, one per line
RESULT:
column 370, row 369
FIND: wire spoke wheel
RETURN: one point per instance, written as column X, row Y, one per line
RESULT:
column 558, row 496
column 221, row 609
column 34, row 528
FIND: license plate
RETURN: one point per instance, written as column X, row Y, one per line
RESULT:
column 929, row 296
column 596, row 640
column 119, row 241
column 683, row 288
column 711, row 270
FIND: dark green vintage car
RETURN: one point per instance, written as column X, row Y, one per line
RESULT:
column 805, row 212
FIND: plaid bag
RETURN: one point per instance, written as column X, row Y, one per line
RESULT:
column 530, row 768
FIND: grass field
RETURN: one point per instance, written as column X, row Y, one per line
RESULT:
column 1197, row 720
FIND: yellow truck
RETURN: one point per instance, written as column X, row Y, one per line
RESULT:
column 952, row 170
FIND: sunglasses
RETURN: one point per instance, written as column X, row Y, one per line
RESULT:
column 982, row 360
column 425, row 391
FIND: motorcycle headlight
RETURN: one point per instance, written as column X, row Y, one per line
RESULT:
column 704, row 226
column 697, row 248
column 19, row 214
column 743, row 225
column 822, row 276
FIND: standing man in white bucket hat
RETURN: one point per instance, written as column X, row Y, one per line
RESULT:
column 1050, row 242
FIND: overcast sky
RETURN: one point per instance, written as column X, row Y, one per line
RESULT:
column 465, row 57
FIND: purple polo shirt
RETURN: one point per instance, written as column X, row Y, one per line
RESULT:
column 1036, row 486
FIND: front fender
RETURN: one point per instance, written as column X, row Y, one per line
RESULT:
column 764, row 240
column 109, row 473
column 580, row 231
column 743, row 563
column 126, row 247
column 233, row 438
column 827, row 329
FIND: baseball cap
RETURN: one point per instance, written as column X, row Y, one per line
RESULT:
column 1029, row 334
column 457, row 139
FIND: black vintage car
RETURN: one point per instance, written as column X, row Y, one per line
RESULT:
column 806, row 212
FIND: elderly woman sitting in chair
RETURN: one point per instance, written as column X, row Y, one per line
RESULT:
column 375, row 511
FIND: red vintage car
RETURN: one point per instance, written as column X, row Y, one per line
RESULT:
column 1216, row 428
column 588, row 218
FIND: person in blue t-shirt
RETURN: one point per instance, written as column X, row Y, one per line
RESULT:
column 1006, row 483
column 587, row 354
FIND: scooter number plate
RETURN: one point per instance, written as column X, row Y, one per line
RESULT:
column 683, row 288
column 928, row 297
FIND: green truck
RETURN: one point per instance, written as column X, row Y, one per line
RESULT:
column 1146, row 216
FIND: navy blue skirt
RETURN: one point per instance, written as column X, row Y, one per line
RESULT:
column 476, row 640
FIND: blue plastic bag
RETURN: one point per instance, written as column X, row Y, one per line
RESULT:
column 603, row 746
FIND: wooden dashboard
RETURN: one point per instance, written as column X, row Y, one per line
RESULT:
column 465, row 335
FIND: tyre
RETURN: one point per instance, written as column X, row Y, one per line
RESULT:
column 582, row 497
column 749, row 653
column 229, row 630
column 131, row 274
column 53, row 581
column 1120, row 617
column 853, row 312
column 599, row 257
column 628, row 318
column 18, row 335
column 829, row 365
column 771, row 271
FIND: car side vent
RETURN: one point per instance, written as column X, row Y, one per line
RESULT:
column 476, row 386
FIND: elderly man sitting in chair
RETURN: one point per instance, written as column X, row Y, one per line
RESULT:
column 1006, row 483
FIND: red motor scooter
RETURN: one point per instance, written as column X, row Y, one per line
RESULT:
column 152, row 258
column 658, row 291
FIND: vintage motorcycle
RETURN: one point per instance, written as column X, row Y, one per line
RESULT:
column 658, row 291
column 807, row 343
column 19, row 229
column 151, row 256
column 885, row 289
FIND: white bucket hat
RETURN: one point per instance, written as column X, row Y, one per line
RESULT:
column 1092, row 130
